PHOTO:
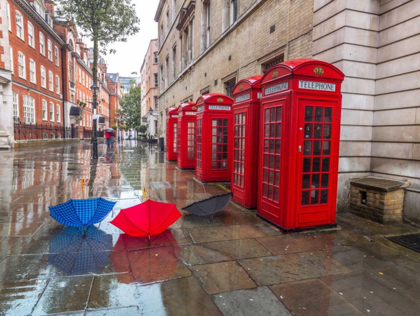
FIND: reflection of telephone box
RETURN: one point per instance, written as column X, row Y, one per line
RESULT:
column 214, row 119
column 246, row 94
column 299, row 143
column 186, row 135
column 171, row 134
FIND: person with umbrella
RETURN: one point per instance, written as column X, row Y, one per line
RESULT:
column 109, row 134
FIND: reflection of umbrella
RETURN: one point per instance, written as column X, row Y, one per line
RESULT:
column 146, row 219
column 209, row 206
column 77, row 254
column 155, row 263
column 81, row 213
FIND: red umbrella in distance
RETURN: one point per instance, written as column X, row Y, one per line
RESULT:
column 146, row 219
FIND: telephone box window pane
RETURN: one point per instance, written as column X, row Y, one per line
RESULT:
column 271, row 146
column 265, row 190
column 278, row 119
column 267, row 131
column 271, row 162
column 278, row 130
column 307, row 165
column 327, row 131
column 277, row 166
column 324, row 196
column 315, row 181
column 309, row 113
column 266, row 157
column 317, row 148
column 267, row 115
column 276, row 195
column 266, row 146
column 316, row 165
column 325, row 180
column 270, row 192
column 306, row 181
column 308, row 130
column 277, row 179
column 273, row 115
column 326, row 148
column 314, row 197
column 318, row 131
column 305, row 197
column 278, row 146
column 265, row 178
column 318, row 114
column 214, row 123
column 270, row 177
column 328, row 115
column 307, row 151
column 326, row 164
column 272, row 128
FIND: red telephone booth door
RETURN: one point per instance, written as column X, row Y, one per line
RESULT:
column 246, row 109
column 172, row 134
column 316, row 166
column 187, row 135
column 214, row 119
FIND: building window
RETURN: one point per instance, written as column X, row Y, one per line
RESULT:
column 51, row 112
column 44, row 110
column 56, row 56
column 80, row 75
column 28, row 109
column 15, row 105
column 31, row 39
column 19, row 25
column 274, row 61
column 57, row 84
column 22, row 65
column 50, row 50
column 208, row 25
column 174, row 63
column 12, row 65
column 83, row 78
column 168, row 22
column 43, row 77
column 166, row 71
column 50, row 81
column 156, row 105
column 156, row 80
column 8, row 16
column 39, row 8
column 41, row 43
column 229, row 85
column 156, row 58
column 58, row 113
column 32, row 71
column 233, row 11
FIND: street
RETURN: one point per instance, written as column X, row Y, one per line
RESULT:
column 233, row 263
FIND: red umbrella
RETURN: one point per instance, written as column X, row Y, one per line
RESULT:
column 146, row 219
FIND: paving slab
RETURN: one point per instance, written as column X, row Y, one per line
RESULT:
column 301, row 299
column 260, row 301
column 222, row 277
column 293, row 267
column 126, row 311
column 206, row 234
column 64, row 295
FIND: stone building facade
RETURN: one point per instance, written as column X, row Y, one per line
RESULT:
column 208, row 46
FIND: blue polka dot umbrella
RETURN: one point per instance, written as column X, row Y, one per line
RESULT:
column 81, row 213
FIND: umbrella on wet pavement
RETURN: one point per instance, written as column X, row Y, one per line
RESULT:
column 81, row 213
column 209, row 206
column 78, row 254
column 146, row 219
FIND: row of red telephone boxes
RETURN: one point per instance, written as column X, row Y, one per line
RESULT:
column 276, row 141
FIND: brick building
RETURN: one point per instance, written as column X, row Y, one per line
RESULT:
column 149, row 86
column 36, row 71
column 207, row 46
column 115, row 96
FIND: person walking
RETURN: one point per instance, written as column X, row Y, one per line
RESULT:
column 109, row 132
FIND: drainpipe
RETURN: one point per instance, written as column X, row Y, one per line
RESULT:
column 63, row 88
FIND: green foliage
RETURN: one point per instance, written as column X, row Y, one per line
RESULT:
column 131, row 108
column 142, row 129
column 123, row 127
column 114, row 127
column 104, row 21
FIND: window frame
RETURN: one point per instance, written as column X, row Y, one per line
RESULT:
column 52, row 111
column 50, row 80
column 28, row 108
column 44, row 110
column 20, row 26
column 32, row 62
column 43, row 78
column 42, row 44
column 58, row 113
column 31, row 35
column 49, row 48
column 57, row 84
column 15, row 102
column 56, row 56
column 22, row 67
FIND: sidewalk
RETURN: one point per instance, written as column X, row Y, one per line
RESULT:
column 231, row 264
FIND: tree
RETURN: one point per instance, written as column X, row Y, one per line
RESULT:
column 104, row 21
column 131, row 108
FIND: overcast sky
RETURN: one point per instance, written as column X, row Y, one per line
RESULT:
column 129, row 55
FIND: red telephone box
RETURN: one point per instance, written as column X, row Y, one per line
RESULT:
column 214, row 133
column 171, row 134
column 187, row 115
column 300, row 135
column 246, row 94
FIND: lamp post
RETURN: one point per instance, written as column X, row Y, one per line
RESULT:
column 95, row 89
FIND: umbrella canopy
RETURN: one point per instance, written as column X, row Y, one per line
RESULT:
column 109, row 130
column 81, row 213
column 75, row 253
column 209, row 206
column 146, row 219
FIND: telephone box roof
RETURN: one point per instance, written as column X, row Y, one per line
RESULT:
column 214, row 97
column 188, row 106
column 253, row 82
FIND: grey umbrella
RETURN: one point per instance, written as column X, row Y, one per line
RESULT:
column 209, row 206
column 109, row 130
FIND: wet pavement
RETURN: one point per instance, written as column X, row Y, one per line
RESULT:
column 233, row 263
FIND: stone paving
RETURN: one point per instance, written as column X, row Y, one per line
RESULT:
column 231, row 264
